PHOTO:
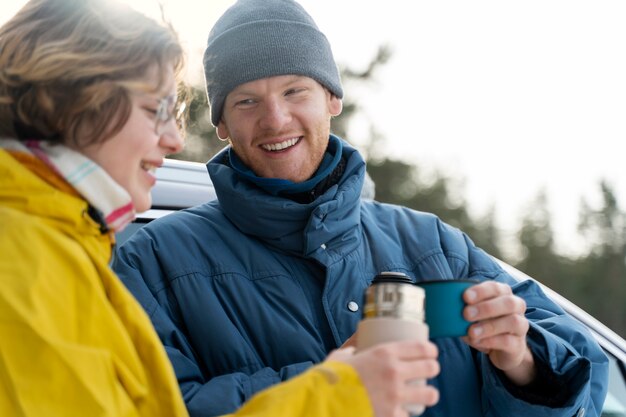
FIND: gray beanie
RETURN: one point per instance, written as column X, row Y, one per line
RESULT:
column 257, row 39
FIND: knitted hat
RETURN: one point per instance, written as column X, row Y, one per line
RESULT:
column 257, row 39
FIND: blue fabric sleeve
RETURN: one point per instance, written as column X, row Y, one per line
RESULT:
column 562, row 345
column 226, row 393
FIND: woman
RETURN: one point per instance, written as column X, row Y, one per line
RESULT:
column 88, row 111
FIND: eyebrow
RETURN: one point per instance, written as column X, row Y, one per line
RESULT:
column 293, row 80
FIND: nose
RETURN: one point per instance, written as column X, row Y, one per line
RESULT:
column 171, row 139
column 275, row 115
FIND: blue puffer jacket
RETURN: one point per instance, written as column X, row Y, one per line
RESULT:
column 253, row 289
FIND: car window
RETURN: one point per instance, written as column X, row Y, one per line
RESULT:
column 615, row 403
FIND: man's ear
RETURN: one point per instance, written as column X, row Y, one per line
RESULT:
column 222, row 131
column 335, row 106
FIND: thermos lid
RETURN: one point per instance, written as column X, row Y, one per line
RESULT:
column 393, row 294
column 392, row 276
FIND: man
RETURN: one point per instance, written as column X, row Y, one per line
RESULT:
column 255, row 287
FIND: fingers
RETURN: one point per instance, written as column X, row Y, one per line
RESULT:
column 406, row 360
column 490, row 300
column 500, row 326
column 420, row 394
column 498, row 316
column 412, row 397
column 513, row 324
column 485, row 290
column 506, row 343
column 425, row 368
column 394, row 375
column 408, row 349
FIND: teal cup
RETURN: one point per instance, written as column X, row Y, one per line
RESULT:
column 444, row 306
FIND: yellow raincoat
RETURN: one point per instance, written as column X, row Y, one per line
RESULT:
column 74, row 342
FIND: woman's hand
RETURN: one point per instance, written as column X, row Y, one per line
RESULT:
column 386, row 371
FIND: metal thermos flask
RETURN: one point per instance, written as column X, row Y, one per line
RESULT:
column 394, row 310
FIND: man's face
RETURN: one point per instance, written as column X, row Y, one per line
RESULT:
column 279, row 126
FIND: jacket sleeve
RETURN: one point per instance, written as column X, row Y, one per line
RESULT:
column 204, row 395
column 563, row 346
column 329, row 389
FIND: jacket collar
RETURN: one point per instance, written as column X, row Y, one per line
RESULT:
column 329, row 222
column 29, row 186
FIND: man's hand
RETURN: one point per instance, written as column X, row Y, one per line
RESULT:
column 500, row 329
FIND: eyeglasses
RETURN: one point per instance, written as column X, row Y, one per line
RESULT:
column 167, row 110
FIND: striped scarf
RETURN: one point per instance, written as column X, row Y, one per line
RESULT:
column 91, row 181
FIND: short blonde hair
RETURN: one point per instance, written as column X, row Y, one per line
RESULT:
column 70, row 64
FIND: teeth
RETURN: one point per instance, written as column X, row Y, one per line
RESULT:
column 148, row 167
column 280, row 146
